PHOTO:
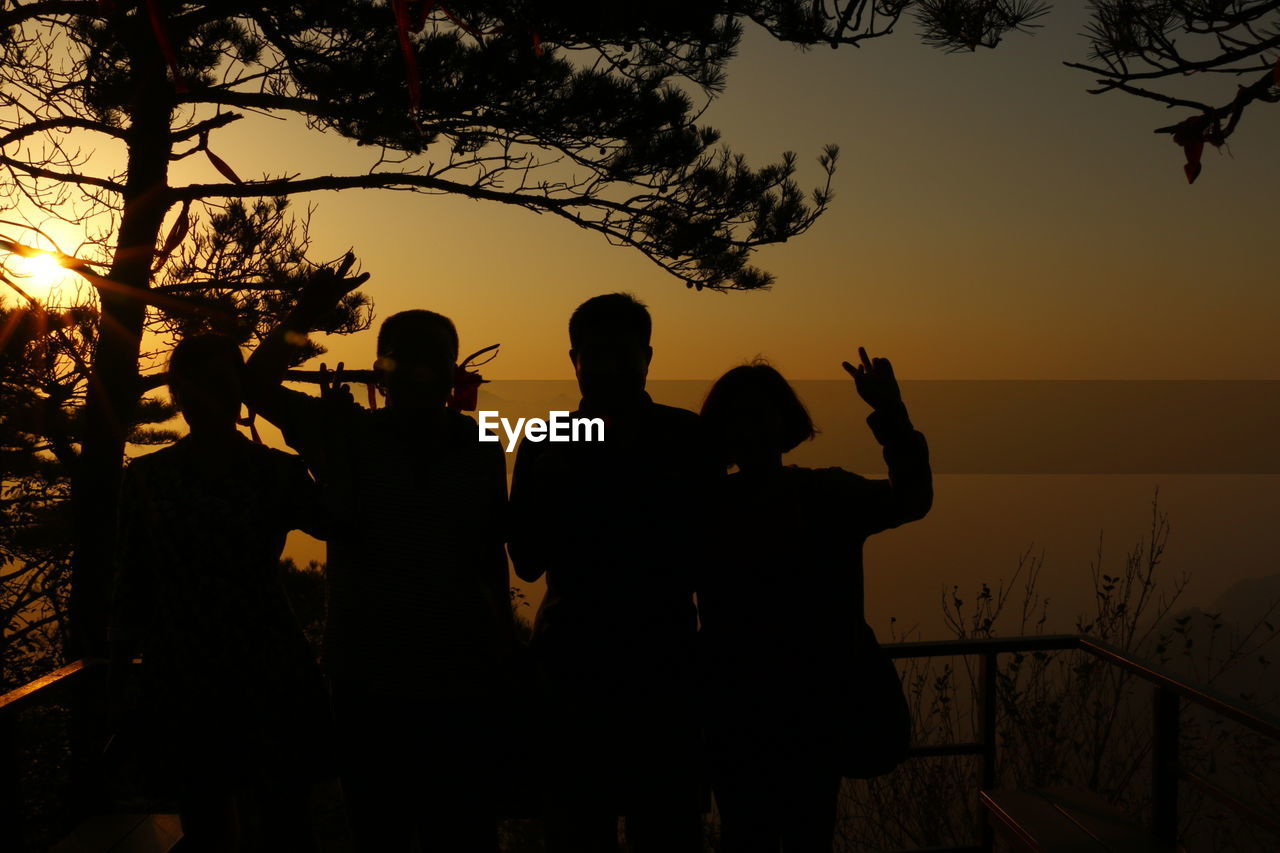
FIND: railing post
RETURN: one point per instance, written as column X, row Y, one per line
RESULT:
column 1164, row 766
column 987, row 704
column 87, row 699
column 12, row 813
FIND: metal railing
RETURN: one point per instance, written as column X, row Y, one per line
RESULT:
column 1169, row 691
column 62, row 686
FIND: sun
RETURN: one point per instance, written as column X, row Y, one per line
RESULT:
column 38, row 275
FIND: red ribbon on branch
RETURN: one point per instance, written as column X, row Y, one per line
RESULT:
column 166, row 46
column 467, row 381
column 401, row 10
column 1191, row 134
column 408, row 22
column 218, row 162
column 177, row 233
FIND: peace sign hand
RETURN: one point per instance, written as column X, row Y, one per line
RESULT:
column 875, row 381
column 332, row 387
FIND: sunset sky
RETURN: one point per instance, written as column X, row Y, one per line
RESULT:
column 991, row 220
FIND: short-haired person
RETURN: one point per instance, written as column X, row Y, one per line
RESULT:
column 232, row 702
column 419, row 627
column 613, row 526
column 780, row 599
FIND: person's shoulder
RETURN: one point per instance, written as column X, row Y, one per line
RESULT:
column 466, row 430
column 675, row 416
column 674, row 412
column 459, row 421
column 463, row 427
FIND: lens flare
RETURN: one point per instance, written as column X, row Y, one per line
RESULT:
column 38, row 275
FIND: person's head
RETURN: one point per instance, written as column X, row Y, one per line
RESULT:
column 609, row 347
column 417, row 354
column 205, row 373
column 752, row 413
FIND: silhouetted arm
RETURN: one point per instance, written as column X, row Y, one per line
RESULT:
column 265, row 369
column 908, row 493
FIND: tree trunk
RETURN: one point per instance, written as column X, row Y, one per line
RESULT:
column 113, row 387
column 111, row 399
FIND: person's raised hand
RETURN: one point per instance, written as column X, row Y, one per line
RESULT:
column 333, row 388
column 327, row 286
column 875, row 381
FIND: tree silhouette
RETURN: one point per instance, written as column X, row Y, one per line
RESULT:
column 45, row 373
column 1163, row 50
column 573, row 110
column 236, row 274
column 36, row 432
column 1169, row 51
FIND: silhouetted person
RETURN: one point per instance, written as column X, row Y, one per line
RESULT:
column 232, row 702
column 418, row 625
column 613, row 527
column 781, row 599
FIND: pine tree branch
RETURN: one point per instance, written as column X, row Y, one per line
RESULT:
column 1107, row 84
column 20, row 14
column 379, row 180
column 1259, row 90
column 220, row 120
column 68, row 122
column 63, row 177
column 1182, row 66
column 269, row 101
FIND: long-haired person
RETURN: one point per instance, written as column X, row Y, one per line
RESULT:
column 232, row 701
column 780, row 599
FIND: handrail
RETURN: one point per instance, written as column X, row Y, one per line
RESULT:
column 1169, row 689
column 981, row 646
column 33, row 692
column 1260, row 721
column 1253, row 718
